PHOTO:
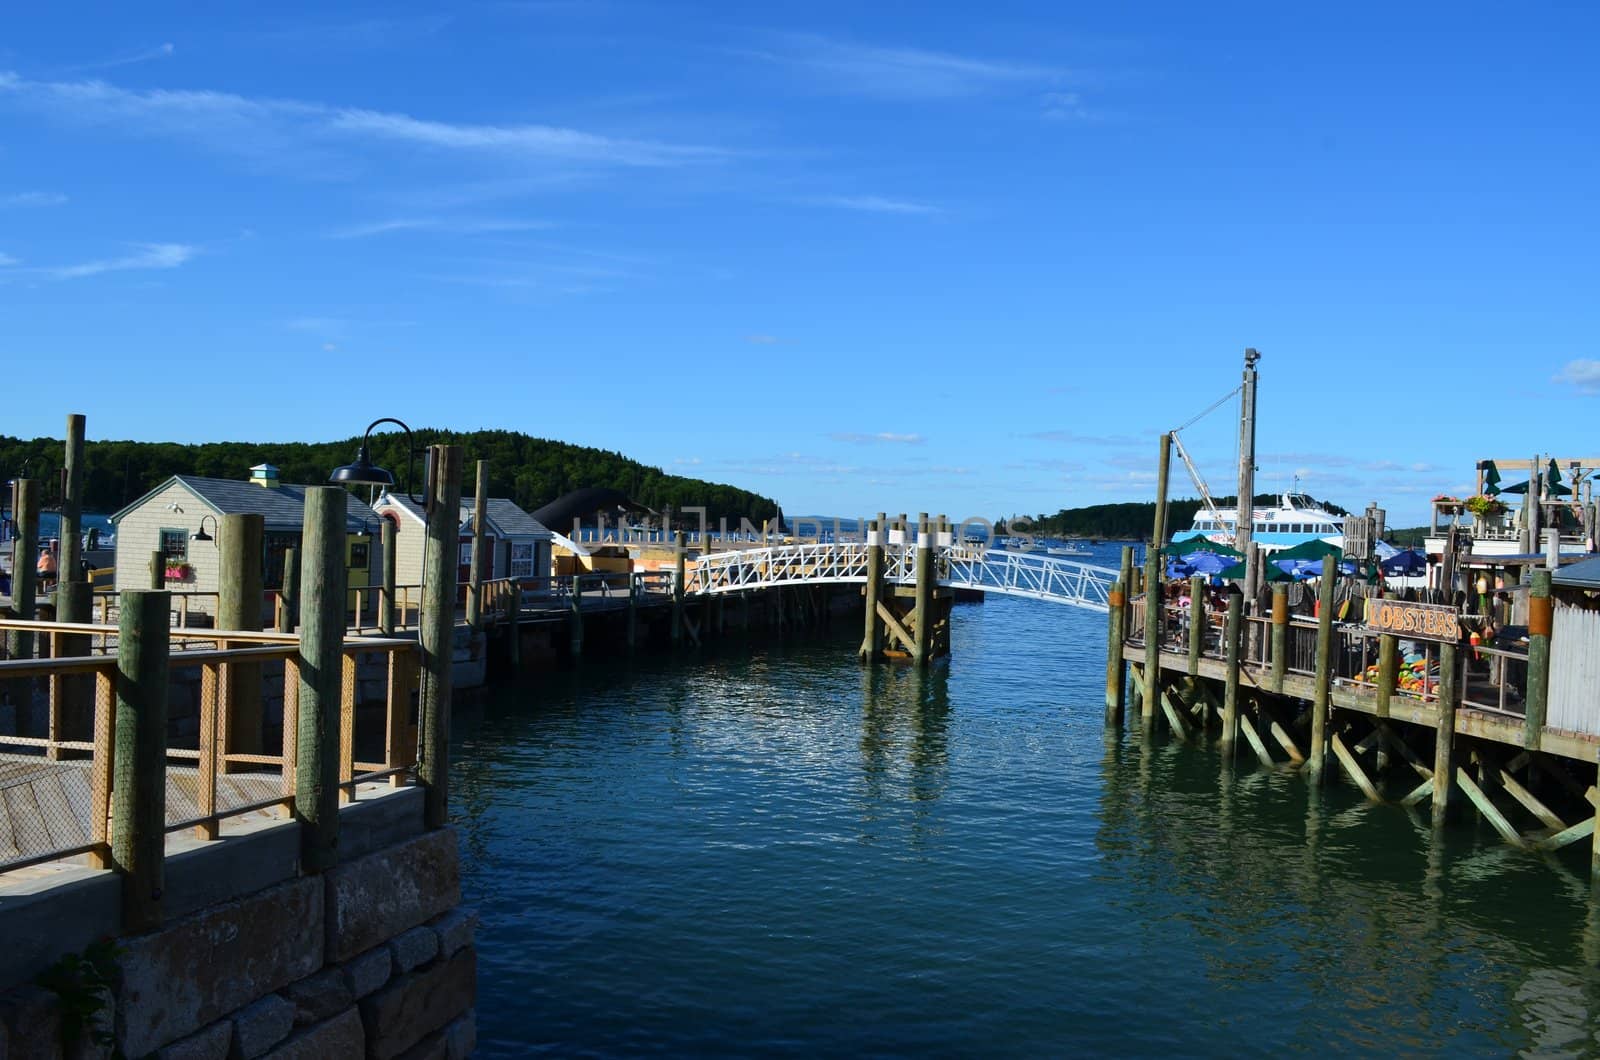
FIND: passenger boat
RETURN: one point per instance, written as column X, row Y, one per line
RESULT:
column 1296, row 519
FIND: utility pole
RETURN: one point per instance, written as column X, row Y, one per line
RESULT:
column 1245, row 520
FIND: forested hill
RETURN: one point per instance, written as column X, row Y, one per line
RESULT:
column 531, row 471
column 1132, row 520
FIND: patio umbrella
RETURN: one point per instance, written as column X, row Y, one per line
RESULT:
column 1313, row 550
column 1410, row 562
column 1202, row 544
column 1208, row 562
column 1553, row 486
column 1491, row 479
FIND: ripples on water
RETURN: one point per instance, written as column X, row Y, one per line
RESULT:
column 777, row 850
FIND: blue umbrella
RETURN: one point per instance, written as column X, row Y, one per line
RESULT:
column 1209, row 562
column 1409, row 562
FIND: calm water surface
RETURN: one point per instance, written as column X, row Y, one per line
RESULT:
column 776, row 850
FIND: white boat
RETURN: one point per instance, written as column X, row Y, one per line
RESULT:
column 1068, row 550
column 1295, row 520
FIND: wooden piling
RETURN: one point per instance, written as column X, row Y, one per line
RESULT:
column 1233, row 633
column 922, row 634
column 139, row 758
column 872, row 637
column 1116, row 667
column 1388, row 670
column 1324, row 685
column 239, row 547
column 390, row 578
column 321, row 667
column 575, row 617
column 1444, row 742
column 158, row 571
column 289, row 593
column 24, row 575
column 1540, row 620
column 436, row 631
column 1152, row 636
column 1280, row 635
column 69, row 568
column 679, row 575
column 480, row 519
column 1163, row 466
column 1197, row 622
column 633, row 610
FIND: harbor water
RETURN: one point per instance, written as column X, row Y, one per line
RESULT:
column 768, row 848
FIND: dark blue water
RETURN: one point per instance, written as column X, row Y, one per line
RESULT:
column 774, row 850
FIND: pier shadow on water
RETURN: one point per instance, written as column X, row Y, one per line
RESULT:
column 768, row 848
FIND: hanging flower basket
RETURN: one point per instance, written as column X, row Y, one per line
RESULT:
column 179, row 572
column 1448, row 504
column 1484, row 506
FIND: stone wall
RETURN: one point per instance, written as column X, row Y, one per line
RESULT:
column 372, row 958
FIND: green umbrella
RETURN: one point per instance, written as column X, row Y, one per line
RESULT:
column 1552, row 481
column 1270, row 570
column 1491, row 478
column 1308, row 550
column 1201, row 544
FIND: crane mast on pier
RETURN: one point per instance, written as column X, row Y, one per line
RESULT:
column 1205, row 492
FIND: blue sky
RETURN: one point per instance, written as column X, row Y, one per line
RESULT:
column 956, row 257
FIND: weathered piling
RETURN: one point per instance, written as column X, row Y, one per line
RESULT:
column 390, row 579
column 321, row 659
column 1324, row 682
column 1388, row 671
column 922, row 634
column 633, row 611
column 437, row 633
column 1163, row 466
column 872, row 637
column 575, row 617
column 1116, row 667
column 1197, row 622
column 1233, row 633
column 1540, row 615
column 480, row 519
column 239, row 544
column 1280, row 636
column 158, row 570
column 289, row 592
column 24, row 578
column 679, row 575
column 139, row 756
column 74, row 606
column 1152, row 636
column 1444, row 739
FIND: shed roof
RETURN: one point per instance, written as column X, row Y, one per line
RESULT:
column 282, row 508
column 1584, row 574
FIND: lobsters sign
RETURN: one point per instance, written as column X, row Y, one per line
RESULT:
column 1424, row 621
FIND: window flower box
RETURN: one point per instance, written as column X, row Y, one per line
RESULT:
column 179, row 572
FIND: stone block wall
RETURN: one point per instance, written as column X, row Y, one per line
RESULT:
column 373, row 958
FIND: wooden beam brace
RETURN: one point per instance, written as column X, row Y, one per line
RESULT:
column 1353, row 768
column 1582, row 830
column 1406, row 752
column 1280, row 734
column 896, row 630
column 1175, row 716
column 1419, row 794
column 1527, row 799
column 1254, row 738
column 1370, row 741
column 1486, row 807
column 1559, row 775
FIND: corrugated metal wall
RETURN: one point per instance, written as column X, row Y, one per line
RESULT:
column 1575, row 670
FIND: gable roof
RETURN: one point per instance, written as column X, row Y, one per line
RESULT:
column 1584, row 574
column 282, row 508
column 509, row 520
column 401, row 502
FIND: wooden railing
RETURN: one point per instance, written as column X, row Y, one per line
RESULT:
column 226, row 783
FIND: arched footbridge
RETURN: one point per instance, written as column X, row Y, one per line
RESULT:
column 1036, row 576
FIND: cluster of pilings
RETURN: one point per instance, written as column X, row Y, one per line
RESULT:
column 1532, row 785
column 907, row 624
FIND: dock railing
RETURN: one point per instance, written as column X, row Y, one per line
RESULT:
column 55, row 787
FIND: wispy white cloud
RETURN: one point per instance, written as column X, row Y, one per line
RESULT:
column 7, row 260
column 896, row 73
column 1065, row 106
column 1583, row 374
column 32, row 199
column 297, row 132
column 874, row 204
column 889, row 437
column 160, row 51
column 445, row 225
column 1074, row 438
column 146, row 256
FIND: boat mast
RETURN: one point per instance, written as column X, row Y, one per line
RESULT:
column 1244, row 517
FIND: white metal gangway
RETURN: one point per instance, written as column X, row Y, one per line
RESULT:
column 1037, row 576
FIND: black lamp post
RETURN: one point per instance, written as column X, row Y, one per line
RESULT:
column 200, row 534
column 364, row 472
